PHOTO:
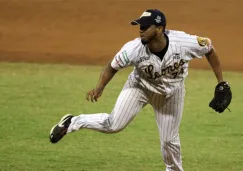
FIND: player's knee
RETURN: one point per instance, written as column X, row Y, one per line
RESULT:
column 113, row 127
column 165, row 144
column 170, row 142
column 169, row 137
column 114, row 130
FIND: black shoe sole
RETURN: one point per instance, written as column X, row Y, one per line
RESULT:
column 54, row 138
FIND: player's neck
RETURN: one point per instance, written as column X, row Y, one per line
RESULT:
column 157, row 44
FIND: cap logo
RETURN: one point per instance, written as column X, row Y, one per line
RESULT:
column 158, row 19
column 145, row 14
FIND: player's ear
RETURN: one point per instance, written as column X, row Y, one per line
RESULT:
column 160, row 29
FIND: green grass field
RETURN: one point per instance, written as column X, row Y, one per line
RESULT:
column 34, row 97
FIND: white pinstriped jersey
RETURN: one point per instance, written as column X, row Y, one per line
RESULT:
column 166, row 75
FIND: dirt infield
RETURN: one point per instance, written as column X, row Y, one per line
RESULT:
column 92, row 31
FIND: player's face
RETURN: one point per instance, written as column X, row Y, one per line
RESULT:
column 147, row 33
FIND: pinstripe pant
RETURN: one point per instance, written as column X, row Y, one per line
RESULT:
column 168, row 112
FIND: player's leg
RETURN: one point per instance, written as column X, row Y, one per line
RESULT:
column 168, row 115
column 128, row 104
column 130, row 101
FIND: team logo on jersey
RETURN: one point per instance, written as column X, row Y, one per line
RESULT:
column 174, row 70
column 144, row 58
column 176, row 56
column 202, row 41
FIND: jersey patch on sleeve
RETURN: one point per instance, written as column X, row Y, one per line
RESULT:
column 202, row 41
column 124, row 55
column 119, row 62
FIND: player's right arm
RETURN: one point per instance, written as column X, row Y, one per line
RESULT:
column 105, row 77
column 122, row 59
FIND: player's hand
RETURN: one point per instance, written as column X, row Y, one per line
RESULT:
column 94, row 94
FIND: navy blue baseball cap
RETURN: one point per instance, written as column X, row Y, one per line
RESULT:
column 151, row 17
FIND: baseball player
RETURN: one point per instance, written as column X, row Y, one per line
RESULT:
column 160, row 59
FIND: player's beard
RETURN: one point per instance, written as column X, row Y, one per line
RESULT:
column 148, row 40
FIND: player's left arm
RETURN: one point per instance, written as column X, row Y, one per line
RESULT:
column 214, row 61
column 222, row 94
column 202, row 46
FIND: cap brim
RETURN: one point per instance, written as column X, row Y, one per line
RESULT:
column 135, row 22
column 141, row 21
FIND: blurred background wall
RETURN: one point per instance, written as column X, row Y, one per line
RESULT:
column 92, row 31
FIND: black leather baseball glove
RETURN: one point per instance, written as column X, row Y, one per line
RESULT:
column 222, row 97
